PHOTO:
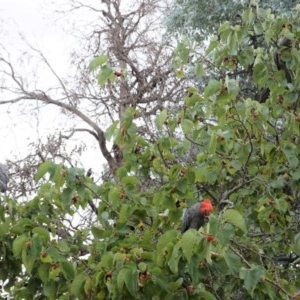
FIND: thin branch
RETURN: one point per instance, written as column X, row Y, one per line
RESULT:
column 265, row 278
column 227, row 193
column 93, row 133
column 98, row 197
column 52, row 70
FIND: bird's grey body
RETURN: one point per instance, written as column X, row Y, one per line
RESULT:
column 192, row 218
column 3, row 177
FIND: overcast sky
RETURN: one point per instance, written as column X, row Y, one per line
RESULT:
column 23, row 18
column 36, row 21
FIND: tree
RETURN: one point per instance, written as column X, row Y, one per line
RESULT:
column 200, row 19
column 129, row 54
column 222, row 144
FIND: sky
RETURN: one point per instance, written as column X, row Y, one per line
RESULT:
column 36, row 22
column 24, row 18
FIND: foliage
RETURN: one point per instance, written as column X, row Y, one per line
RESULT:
column 222, row 144
column 200, row 19
column 133, row 67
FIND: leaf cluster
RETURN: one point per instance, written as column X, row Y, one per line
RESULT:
column 223, row 145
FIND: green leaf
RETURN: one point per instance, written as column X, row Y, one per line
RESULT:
column 28, row 259
column 232, row 87
column 169, row 237
column 68, row 270
column 131, row 281
column 19, row 244
column 161, row 281
column 97, row 62
column 233, row 217
column 24, row 225
column 189, row 240
column 43, row 169
column 42, row 233
column 199, row 70
column 214, row 43
column 66, row 197
column 225, row 30
column 114, row 195
column 161, row 118
column 77, row 285
column 296, row 175
column 175, row 257
column 187, row 126
column 131, row 180
column 55, row 255
column 49, row 290
column 251, row 277
column 44, row 272
column 213, row 143
column 121, row 279
column 224, row 234
column 182, row 185
column 73, row 173
column 206, row 251
column 281, row 205
column 125, row 212
column 204, row 293
column 176, row 285
column 107, row 260
column 63, row 246
column 232, row 43
column 290, row 152
column 183, row 52
column 4, row 229
column 212, row 88
column 56, row 175
column 104, row 74
column 97, row 232
column 233, row 261
column 110, row 131
column 88, row 285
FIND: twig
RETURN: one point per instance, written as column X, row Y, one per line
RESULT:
column 265, row 278
column 94, row 208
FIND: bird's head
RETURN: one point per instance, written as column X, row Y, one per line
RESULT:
column 206, row 207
